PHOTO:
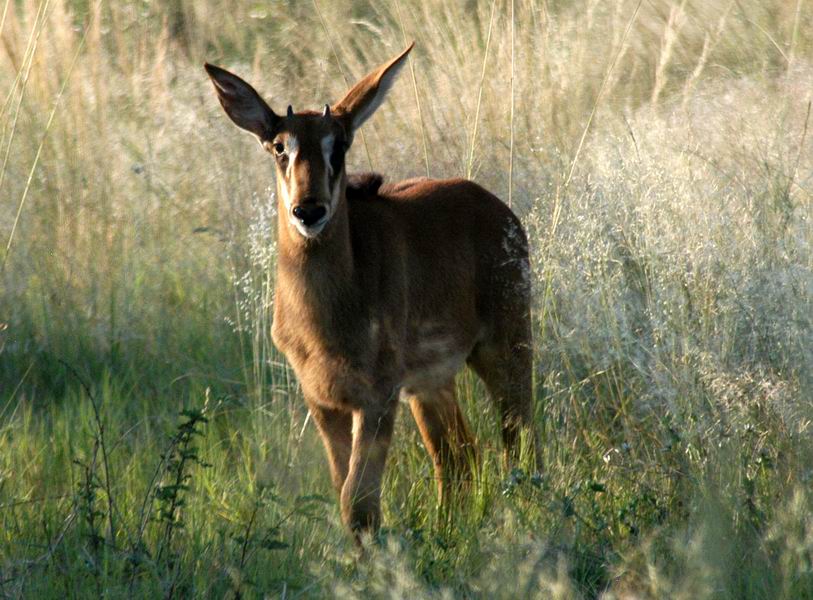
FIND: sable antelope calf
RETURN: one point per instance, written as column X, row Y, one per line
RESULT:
column 387, row 290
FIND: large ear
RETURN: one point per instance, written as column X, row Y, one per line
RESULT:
column 361, row 101
column 242, row 103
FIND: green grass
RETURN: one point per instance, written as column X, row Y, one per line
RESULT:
column 662, row 166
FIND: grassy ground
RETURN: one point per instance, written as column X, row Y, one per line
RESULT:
column 152, row 441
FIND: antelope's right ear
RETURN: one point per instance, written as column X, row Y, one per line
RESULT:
column 243, row 104
column 362, row 100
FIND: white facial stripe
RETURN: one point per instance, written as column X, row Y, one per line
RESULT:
column 292, row 147
column 286, row 197
column 327, row 150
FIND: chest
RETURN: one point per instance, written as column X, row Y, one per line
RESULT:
column 340, row 362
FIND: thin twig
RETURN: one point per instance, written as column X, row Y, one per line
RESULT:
column 15, row 503
column 21, row 80
column 28, row 565
column 801, row 148
column 16, row 389
column 511, row 117
column 3, row 19
column 105, row 462
column 600, row 94
column 470, row 166
column 795, row 34
column 143, row 517
column 247, row 535
column 415, row 89
column 764, row 32
column 41, row 144
column 32, row 38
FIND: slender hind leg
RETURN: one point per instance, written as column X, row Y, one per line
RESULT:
column 446, row 436
column 505, row 368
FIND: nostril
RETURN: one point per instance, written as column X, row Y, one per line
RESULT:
column 309, row 214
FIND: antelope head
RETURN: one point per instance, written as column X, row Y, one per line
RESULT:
column 307, row 147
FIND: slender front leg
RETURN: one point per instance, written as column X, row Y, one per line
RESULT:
column 361, row 494
column 335, row 428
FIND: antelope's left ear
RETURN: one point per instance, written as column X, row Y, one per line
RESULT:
column 362, row 100
column 242, row 103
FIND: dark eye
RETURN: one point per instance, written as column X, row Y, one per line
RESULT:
column 279, row 148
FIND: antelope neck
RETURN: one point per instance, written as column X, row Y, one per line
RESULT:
column 328, row 257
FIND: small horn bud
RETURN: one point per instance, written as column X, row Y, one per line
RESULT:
column 326, row 112
column 290, row 111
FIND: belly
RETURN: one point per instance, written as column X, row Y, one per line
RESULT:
column 350, row 378
column 432, row 375
column 433, row 357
